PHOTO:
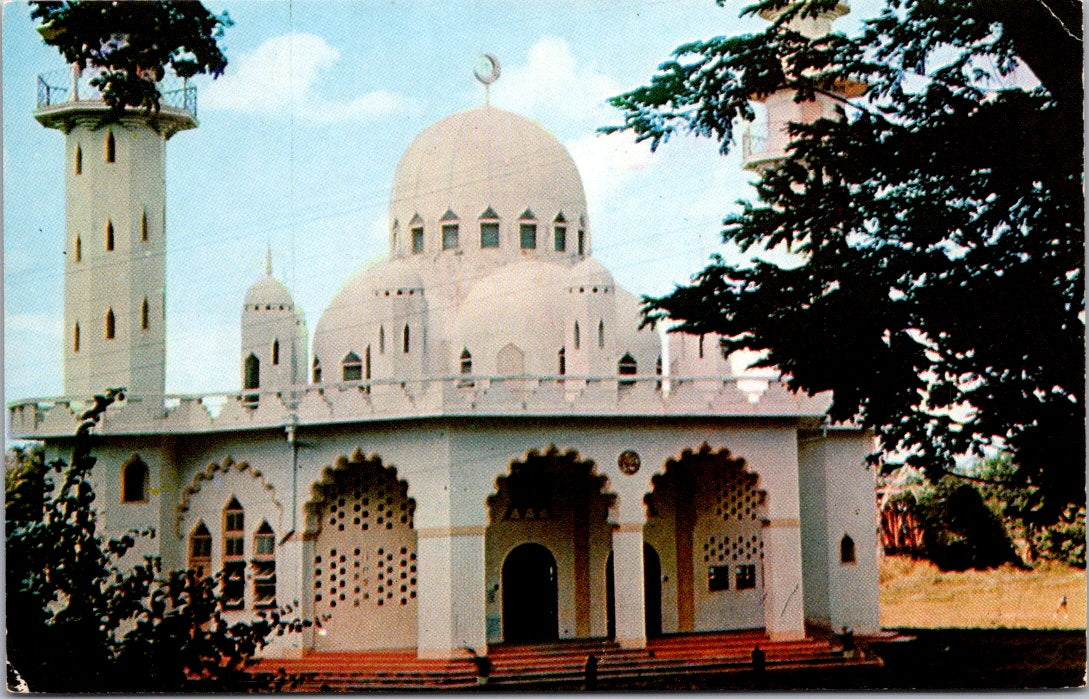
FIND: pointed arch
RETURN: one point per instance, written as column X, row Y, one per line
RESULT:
column 846, row 550
column 79, row 160
column 134, row 481
column 627, row 366
column 367, row 363
column 316, row 370
column 144, row 315
column 448, row 225
column 489, row 228
column 75, row 338
column 264, row 566
column 251, row 371
column 561, row 356
column 578, row 339
column 109, row 235
column 276, row 352
column 200, row 550
column 416, row 229
column 143, row 225
column 405, row 340
column 234, row 551
column 351, row 367
column 111, row 325
column 79, row 249
column 601, row 334
column 111, row 147
column 466, row 361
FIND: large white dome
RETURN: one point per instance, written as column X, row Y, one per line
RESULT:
column 493, row 164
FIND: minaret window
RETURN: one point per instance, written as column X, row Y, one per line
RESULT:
column 111, row 327
column 405, row 341
column 111, row 147
column 578, row 339
column 144, row 320
column 252, row 372
column 317, row 370
column 563, row 361
column 367, row 363
column 79, row 249
column 79, row 160
column 143, row 225
column 489, row 228
column 200, row 551
column 846, row 550
column 601, row 334
column 75, row 338
column 264, row 567
column 234, row 566
column 701, row 347
column 559, row 233
column 109, row 235
column 381, row 339
column 134, row 481
column 352, row 367
column 582, row 242
column 466, row 361
column 449, row 224
column 275, row 352
column 627, row 367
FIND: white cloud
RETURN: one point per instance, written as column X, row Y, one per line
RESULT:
column 606, row 162
column 279, row 78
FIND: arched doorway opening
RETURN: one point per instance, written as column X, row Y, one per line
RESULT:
column 530, row 595
column 652, row 593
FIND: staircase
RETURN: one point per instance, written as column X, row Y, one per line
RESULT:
column 560, row 664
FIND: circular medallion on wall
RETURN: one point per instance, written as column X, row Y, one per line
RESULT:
column 628, row 462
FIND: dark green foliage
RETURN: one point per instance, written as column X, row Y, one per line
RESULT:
column 938, row 225
column 79, row 620
column 131, row 44
column 959, row 531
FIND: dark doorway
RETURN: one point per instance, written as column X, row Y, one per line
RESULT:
column 652, row 593
column 530, row 595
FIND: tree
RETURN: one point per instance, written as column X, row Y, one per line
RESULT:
column 78, row 622
column 937, row 225
column 131, row 44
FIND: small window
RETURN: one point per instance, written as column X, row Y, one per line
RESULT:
column 381, row 339
column 264, row 567
column 449, row 236
column 601, row 334
column 200, row 550
column 746, row 576
column 134, row 481
column 582, row 242
column 144, row 315
column 109, row 235
column 75, row 338
column 578, row 339
column 489, row 234
column 234, row 523
column 718, row 578
column 317, row 370
column 79, row 249
column 275, row 352
column 417, row 240
column 701, row 346
column 111, row 326
column 405, row 340
column 528, row 235
column 562, row 356
column 559, row 233
column 466, row 361
column 846, row 549
column 367, row 363
column 79, row 160
column 627, row 367
column 251, row 372
column 352, row 367
column 143, row 226
column 111, row 147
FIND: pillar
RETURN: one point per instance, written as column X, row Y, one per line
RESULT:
column 450, row 604
column 628, row 592
column 784, row 611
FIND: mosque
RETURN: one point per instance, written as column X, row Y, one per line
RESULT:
column 479, row 445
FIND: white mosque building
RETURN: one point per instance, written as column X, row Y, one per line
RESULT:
column 480, row 444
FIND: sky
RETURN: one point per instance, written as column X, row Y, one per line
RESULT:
column 298, row 142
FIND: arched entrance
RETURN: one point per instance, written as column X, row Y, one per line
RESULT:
column 530, row 595
column 652, row 593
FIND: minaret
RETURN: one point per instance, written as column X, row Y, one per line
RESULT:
column 115, row 233
column 763, row 150
column 274, row 336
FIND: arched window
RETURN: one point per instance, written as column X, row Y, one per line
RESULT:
column 627, row 367
column 367, row 363
column 351, row 367
column 111, row 147
column 582, row 242
column 466, row 361
column 846, row 550
column 111, row 328
column 75, row 338
column 449, row 225
column 275, row 352
column 416, row 228
column 527, row 231
column 489, row 228
column 317, row 370
column 144, row 313
column 143, row 225
column 109, row 235
column 381, row 339
column 559, row 233
column 251, row 372
column 701, row 346
column 200, row 550
column 79, row 160
column 601, row 334
column 405, row 340
column 79, row 249
column 264, row 567
column 234, row 546
column 134, row 481
column 578, row 340
column 562, row 356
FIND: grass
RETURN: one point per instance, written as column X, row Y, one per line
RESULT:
column 917, row 594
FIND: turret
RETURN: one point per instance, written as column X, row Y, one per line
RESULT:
column 115, row 233
column 274, row 336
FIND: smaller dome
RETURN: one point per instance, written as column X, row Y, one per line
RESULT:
column 391, row 276
column 591, row 271
column 268, row 291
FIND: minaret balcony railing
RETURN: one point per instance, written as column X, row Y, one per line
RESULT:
column 61, row 87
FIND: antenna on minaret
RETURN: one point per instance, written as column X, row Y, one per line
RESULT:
column 268, row 260
column 487, row 72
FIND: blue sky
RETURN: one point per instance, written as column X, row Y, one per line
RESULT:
column 298, row 142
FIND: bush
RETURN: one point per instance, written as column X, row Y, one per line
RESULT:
column 959, row 530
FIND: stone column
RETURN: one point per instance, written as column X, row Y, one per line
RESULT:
column 450, row 606
column 784, row 611
column 628, row 592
